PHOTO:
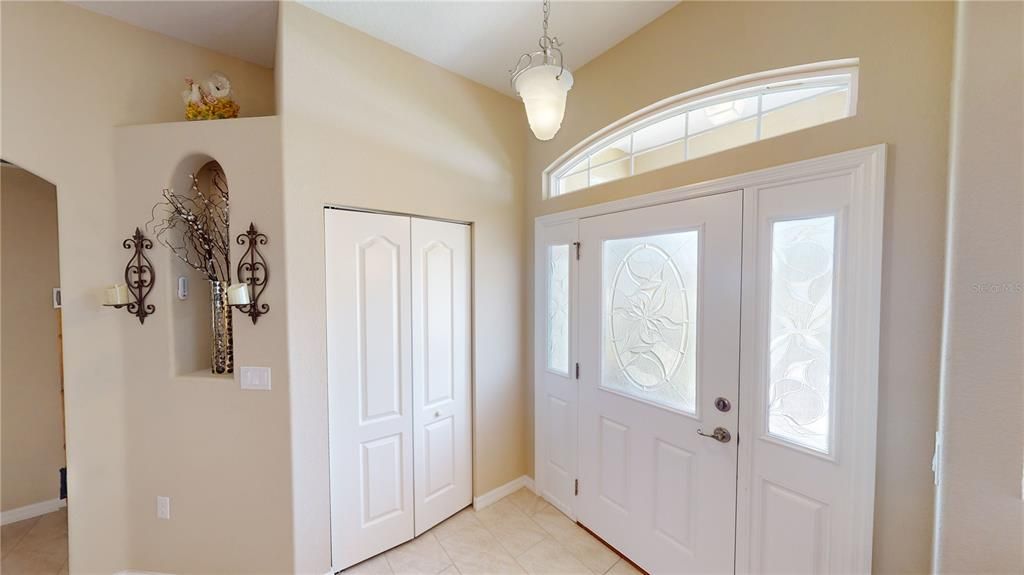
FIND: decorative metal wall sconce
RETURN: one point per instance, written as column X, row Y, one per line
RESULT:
column 139, row 277
column 253, row 271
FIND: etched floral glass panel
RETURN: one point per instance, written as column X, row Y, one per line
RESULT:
column 650, row 318
column 800, row 348
column 558, row 308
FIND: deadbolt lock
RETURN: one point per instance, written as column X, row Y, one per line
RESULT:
column 722, row 404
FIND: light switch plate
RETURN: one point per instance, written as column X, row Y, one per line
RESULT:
column 257, row 378
column 163, row 507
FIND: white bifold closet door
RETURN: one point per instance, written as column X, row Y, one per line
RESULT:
column 442, row 442
column 398, row 378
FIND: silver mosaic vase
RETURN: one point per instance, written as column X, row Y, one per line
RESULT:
column 222, row 348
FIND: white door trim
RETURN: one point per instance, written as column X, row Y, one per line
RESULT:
column 866, row 169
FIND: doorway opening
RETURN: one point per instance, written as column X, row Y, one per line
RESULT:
column 33, row 505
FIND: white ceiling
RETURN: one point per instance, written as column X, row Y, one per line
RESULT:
column 480, row 40
column 243, row 29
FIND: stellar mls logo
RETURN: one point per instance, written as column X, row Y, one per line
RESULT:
column 996, row 288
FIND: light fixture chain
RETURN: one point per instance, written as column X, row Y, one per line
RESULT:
column 532, row 80
column 547, row 11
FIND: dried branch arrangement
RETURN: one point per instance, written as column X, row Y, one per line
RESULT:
column 195, row 226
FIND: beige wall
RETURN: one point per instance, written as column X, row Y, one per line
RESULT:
column 905, row 52
column 69, row 77
column 220, row 453
column 33, row 421
column 364, row 124
column 980, row 516
column 368, row 125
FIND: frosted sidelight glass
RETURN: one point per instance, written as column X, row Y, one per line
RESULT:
column 800, row 348
column 650, row 318
column 558, row 308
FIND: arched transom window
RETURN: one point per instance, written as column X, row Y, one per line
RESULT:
column 709, row 120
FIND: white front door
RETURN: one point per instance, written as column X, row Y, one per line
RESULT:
column 659, row 346
column 441, row 370
column 369, row 371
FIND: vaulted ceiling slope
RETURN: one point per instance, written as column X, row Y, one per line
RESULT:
column 479, row 40
column 244, row 29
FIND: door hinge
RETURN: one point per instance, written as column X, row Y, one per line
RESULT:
column 576, row 487
column 577, row 244
column 577, row 370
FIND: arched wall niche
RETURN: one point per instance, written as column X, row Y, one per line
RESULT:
column 192, row 317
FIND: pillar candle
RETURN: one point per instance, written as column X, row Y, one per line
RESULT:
column 117, row 294
column 238, row 294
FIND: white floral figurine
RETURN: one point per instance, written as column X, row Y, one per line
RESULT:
column 218, row 85
column 192, row 94
column 211, row 101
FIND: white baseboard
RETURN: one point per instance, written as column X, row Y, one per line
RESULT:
column 30, row 511
column 494, row 495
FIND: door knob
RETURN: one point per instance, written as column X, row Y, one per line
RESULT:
column 720, row 434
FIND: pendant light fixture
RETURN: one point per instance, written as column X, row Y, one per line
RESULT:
column 542, row 81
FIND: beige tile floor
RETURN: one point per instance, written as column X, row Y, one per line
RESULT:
column 519, row 534
column 37, row 546
column 522, row 533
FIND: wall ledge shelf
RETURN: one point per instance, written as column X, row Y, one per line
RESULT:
column 204, row 376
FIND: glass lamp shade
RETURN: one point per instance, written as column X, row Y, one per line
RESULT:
column 543, row 94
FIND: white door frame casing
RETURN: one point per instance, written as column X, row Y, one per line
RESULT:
column 857, row 325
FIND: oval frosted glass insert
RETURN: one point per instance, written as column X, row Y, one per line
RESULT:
column 800, row 349
column 558, row 308
column 650, row 318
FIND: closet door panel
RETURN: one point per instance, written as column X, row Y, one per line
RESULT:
column 369, row 370
column 441, row 370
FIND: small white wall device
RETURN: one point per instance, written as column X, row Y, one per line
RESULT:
column 182, row 288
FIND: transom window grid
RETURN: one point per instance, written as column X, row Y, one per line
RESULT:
column 749, row 113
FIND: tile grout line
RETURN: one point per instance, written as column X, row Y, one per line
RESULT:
column 547, row 535
column 15, row 545
column 451, row 561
